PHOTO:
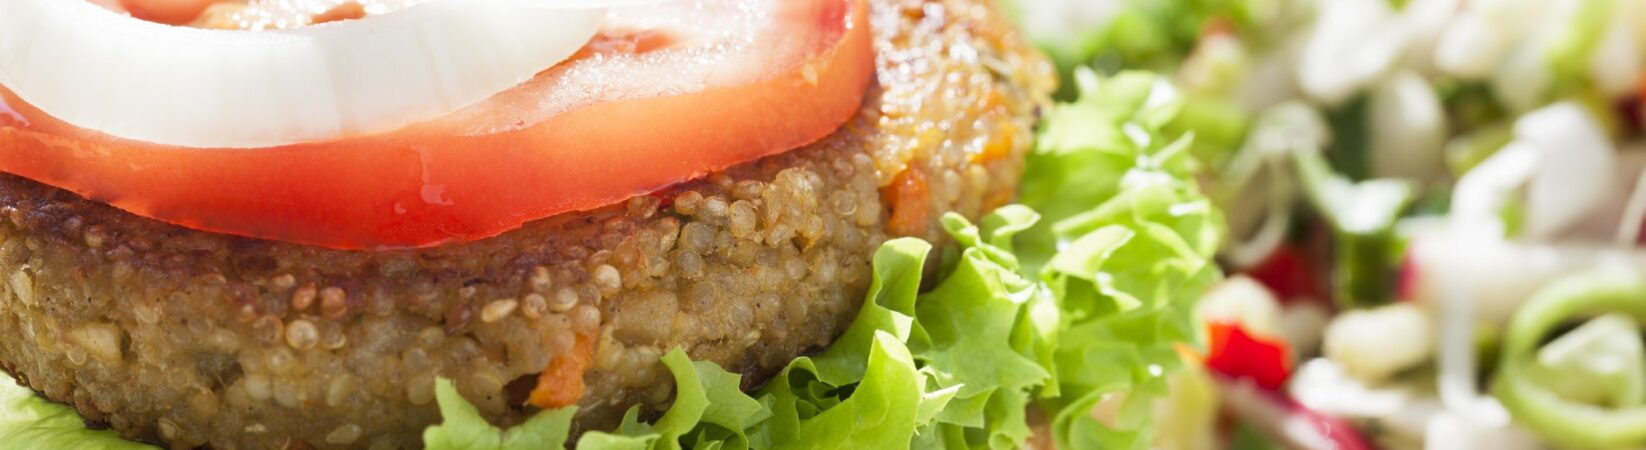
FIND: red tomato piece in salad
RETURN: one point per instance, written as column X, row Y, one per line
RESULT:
column 1238, row 354
column 665, row 94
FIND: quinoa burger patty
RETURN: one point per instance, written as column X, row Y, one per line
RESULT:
column 194, row 339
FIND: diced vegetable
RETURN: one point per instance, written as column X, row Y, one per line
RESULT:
column 1236, row 353
column 1304, row 326
column 1375, row 344
column 561, row 384
column 1243, row 303
column 910, row 200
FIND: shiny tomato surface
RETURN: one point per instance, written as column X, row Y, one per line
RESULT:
column 666, row 93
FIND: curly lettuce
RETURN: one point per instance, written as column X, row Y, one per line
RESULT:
column 1127, row 268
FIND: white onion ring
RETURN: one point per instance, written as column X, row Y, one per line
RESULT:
column 188, row 87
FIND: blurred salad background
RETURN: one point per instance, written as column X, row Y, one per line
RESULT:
column 1435, row 211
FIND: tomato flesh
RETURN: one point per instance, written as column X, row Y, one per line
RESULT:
column 1237, row 353
column 666, row 94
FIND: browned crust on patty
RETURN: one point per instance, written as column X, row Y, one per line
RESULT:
column 193, row 338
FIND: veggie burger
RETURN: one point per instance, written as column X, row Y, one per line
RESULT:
column 336, row 223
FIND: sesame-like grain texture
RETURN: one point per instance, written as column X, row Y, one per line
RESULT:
column 196, row 339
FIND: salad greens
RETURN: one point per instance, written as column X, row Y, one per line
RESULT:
column 1082, row 302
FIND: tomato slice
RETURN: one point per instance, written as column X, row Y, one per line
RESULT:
column 1238, row 354
column 666, row 94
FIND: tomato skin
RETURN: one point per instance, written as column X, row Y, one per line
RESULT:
column 1238, row 354
column 430, row 184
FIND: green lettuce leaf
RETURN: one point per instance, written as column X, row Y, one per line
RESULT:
column 709, row 410
column 465, row 429
column 879, row 413
column 1126, row 272
column 889, row 308
column 981, row 336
